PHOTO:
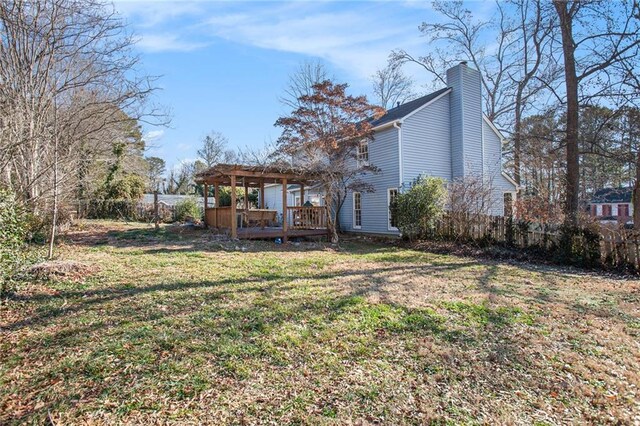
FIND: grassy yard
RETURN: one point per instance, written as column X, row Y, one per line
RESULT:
column 179, row 327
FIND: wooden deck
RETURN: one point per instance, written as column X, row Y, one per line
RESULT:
column 257, row 233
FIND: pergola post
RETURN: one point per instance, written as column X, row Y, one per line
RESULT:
column 246, row 197
column 284, row 210
column 216, row 195
column 234, row 219
column 206, row 193
column 262, row 193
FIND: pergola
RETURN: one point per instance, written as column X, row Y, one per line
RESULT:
column 236, row 175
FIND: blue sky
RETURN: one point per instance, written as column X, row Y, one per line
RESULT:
column 224, row 64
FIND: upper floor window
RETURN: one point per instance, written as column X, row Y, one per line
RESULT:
column 363, row 153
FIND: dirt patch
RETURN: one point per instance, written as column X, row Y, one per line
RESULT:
column 62, row 270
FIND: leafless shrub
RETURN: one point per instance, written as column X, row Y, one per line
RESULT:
column 470, row 199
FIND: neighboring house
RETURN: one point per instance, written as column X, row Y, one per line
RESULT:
column 273, row 196
column 612, row 204
column 443, row 134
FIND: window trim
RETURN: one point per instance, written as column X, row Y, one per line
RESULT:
column 389, row 227
column 625, row 207
column 362, row 162
column 353, row 210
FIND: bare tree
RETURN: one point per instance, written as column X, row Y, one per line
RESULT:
column 215, row 150
column 509, row 69
column 258, row 156
column 391, row 86
column 595, row 37
column 301, row 82
column 461, row 36
column 532, row 39
column 68, row 76
column 76, row 52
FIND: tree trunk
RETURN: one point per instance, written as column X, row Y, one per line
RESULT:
column 571, row 138
column 517, row 137
column 54, row 219
column 636, row 195
column 331, row 215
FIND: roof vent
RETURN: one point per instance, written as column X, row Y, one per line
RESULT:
column 397, row 104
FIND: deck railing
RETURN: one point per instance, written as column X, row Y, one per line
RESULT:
column 297, row 217
column 307, row 217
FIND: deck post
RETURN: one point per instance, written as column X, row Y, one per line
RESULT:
column 284, row 210
column 301, row 194
column 206, row 194
column 234, row 219
column 262, row 193
column 246, row 197
column 216, row 196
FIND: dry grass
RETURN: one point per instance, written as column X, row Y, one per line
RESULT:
column 179, row 327
column 61, row 270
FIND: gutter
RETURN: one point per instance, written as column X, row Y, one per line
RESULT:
column 385, row 125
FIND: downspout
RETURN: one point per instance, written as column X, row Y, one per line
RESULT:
column 482, row 165
column 398, row 125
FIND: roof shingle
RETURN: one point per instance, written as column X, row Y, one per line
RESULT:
column 406, row 108
column 612, row 195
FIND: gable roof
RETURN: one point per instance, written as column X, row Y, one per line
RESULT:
column 612, row 195
column 407, row 108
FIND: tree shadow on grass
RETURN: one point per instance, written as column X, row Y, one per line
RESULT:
column 83, row 299
column 133, row 329
column 237, row 324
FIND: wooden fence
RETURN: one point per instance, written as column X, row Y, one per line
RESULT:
column 122, row 209
column 607, row 246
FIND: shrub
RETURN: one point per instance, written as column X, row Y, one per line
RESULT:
column 187, row 208
column 14, row 229
column 417, row 209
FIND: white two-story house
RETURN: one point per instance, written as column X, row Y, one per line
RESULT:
column 443, row 134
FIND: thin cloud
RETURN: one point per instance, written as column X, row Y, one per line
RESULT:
column 153, row 135
column 167, row 43
column 345, row 38
column 149, row 14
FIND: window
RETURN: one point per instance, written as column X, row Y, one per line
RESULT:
column 357, row 210
column 606, row 210
column 623, row 210
column 508, row 204
column 392, row 194
column 594, row 210
column 363, row 154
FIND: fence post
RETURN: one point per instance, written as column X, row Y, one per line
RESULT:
column 156, row 217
